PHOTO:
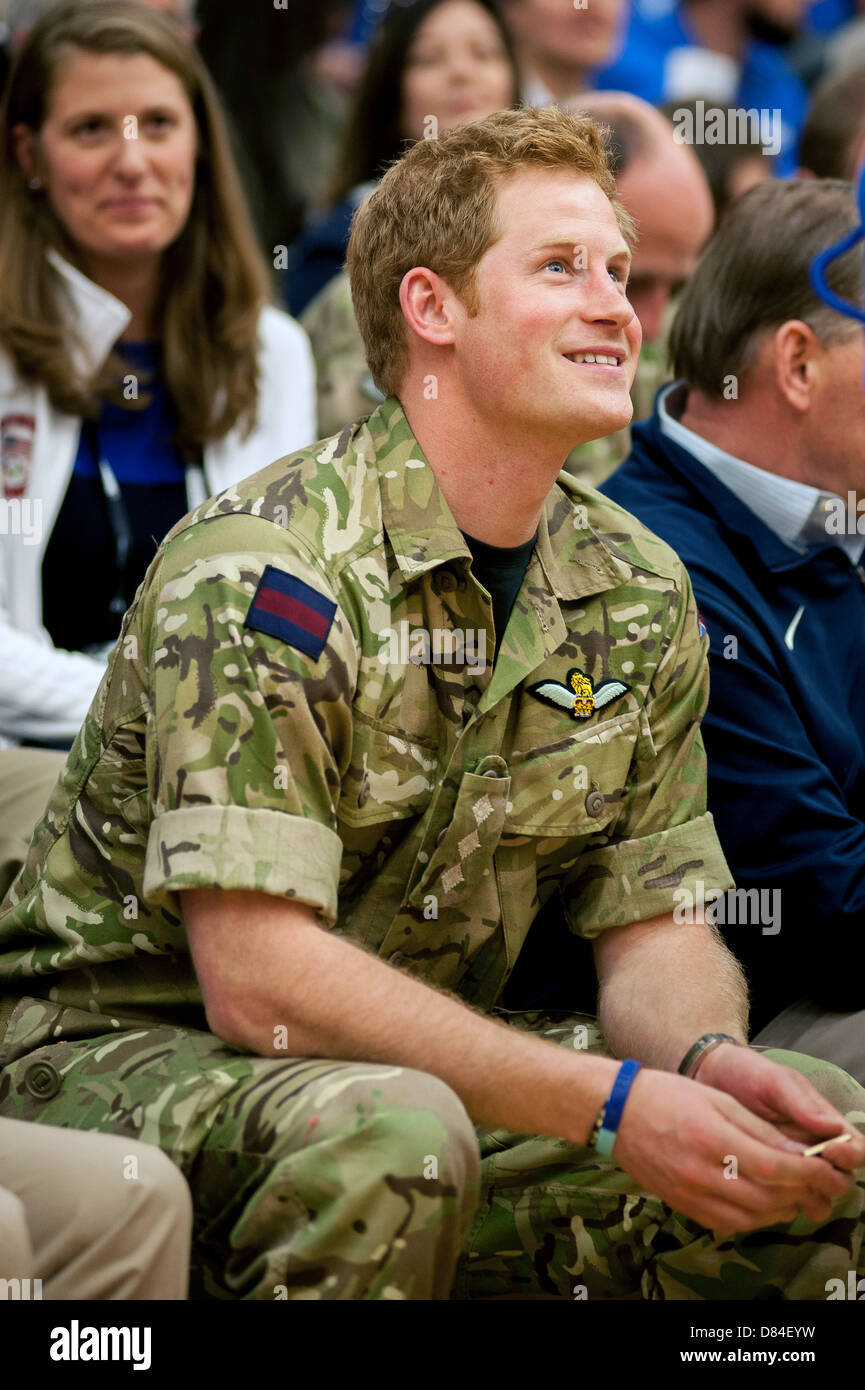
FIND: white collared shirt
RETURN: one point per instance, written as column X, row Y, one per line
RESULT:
column 795, row 511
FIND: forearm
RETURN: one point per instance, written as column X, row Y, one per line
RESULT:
column 671, row 984
column 322, row 996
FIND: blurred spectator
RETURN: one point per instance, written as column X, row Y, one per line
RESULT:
column 732, row 167
column 664, row 189
column 833, row 141
column 828, row 15
column 846, row 49
column 730, row 52
column 433, row 65
column 141, row 366
column 750, row 468
column 21, row 15
column 285, row 75
column 562, row 47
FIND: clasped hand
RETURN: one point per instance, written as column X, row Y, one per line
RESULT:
column 677, row 1138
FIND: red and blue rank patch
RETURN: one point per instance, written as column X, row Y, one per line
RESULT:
column 286, row 608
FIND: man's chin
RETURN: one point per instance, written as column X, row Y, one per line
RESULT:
column 596, row 424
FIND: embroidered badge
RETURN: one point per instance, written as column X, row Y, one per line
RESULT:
column 702, row 625
column 579, row 695
column 286, row 608
column 16, row 453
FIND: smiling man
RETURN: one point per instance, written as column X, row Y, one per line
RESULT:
column 270, row 911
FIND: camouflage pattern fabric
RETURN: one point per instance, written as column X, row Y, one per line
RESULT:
column 309, row 1178
column 425, row 784
column 336, row 1180
column 558, row 1220
column 346, row 390
column 407, row 783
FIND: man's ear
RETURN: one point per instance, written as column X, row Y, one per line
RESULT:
column 24, row 144
column 797, row 362
column 426, row 299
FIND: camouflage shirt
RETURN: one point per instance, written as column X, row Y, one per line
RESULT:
column 308, row 699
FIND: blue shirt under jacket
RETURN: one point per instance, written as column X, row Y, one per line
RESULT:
column 785, row 726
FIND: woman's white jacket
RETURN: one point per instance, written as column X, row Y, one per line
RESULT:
column 45, row 692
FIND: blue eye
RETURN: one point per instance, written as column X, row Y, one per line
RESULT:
column 549, row 263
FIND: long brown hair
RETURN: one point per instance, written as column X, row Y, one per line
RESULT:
column 215, row 280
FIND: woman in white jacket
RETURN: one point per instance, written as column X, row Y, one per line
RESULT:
column 141, row 366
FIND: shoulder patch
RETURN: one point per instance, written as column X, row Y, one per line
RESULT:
column 286, row 608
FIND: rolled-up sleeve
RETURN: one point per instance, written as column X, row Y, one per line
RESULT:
column 249, row 736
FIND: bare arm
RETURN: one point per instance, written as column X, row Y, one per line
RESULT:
column 662, row 985
column 265, row 964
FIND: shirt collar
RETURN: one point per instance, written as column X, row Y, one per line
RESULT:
column 94, row 317
column 794, row 511
column 423, row 533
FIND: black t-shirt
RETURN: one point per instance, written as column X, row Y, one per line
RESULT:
column 500, row 569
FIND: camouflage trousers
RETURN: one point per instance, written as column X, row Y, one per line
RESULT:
column 345, row 1180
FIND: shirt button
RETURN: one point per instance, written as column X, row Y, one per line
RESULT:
column 42, row 1080
column 491, row 772
column 595, row 803
column 440, row 836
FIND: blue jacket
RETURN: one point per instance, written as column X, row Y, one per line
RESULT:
column 785, row 727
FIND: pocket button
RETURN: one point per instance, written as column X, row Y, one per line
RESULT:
column 595, row 803
column 42, row 1080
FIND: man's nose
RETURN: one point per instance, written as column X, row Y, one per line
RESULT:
column 608, row 302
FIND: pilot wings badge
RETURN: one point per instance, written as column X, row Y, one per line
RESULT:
column 579, row 696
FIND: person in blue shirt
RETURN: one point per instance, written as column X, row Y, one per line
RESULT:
column 751, row 469
column 728, row 51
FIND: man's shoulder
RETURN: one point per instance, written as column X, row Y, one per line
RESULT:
column 323, row 499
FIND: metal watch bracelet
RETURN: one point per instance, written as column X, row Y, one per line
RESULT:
column 694, row 1056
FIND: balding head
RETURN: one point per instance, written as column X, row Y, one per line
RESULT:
column 665, row 190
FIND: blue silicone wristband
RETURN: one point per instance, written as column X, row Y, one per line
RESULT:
column 615, row 1105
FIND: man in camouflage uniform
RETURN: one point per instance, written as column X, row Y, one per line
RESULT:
column 662, row 186
column 324, row 789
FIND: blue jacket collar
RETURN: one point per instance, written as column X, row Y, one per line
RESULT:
column 651, row 447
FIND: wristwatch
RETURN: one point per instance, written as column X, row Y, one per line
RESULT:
column 690, row 1063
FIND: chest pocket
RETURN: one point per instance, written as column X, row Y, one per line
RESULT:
column 390, row 777
column 575, row 787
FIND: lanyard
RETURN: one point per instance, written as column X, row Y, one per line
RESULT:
column 118, row 516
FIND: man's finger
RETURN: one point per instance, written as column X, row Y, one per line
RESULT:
column 793, row 1097
column 816, row 1149
column 791, row 1175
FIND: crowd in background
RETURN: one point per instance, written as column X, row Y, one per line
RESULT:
column 177, row 191
column 318, row 100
